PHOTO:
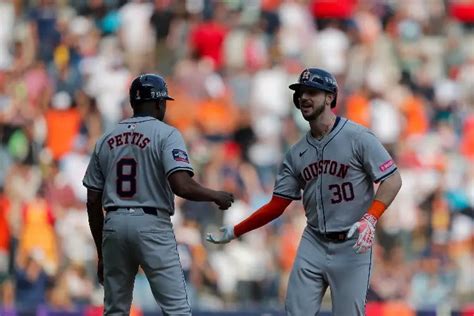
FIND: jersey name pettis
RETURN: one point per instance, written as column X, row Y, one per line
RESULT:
column 323, row 167
column 126, row 138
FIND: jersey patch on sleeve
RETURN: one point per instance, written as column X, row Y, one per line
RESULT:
column 387, row 164
column 180, row 155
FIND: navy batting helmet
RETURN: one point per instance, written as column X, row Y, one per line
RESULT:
column 148, row 87
column 318, row 79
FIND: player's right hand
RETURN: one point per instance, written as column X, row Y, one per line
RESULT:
column 226, row 236
column 223, row 199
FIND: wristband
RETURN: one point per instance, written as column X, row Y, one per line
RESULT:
column 377, row 208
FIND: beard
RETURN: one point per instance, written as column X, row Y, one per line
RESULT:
column 314, row 114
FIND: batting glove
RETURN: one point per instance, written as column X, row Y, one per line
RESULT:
column 366, row 228
column 227, row 235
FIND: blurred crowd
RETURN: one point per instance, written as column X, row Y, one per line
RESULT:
column 405, row 69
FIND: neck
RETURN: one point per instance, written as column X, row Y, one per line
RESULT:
column 323, row 124
column 144, row 113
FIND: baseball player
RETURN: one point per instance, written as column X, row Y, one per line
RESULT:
column 333, row 168
column 133, row 173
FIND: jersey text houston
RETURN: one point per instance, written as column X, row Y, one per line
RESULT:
column 326, row 166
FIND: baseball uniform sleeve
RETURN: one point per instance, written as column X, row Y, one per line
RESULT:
column 287, row 184
column 94, row 178
column 375, row 158
column 174, row 154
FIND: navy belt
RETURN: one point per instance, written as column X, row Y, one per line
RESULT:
column 334, row 236
column 146, row 209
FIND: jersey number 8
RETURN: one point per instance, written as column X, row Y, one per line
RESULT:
column 126, row 177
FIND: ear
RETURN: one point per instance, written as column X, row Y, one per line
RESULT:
column 329, row 98
column 161, row 104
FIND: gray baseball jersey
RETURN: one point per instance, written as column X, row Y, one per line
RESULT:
column 130, row 165
column 335, row 177
column 335, row 174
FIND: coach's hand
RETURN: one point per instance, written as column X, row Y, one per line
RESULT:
column 223, row 199
column 100, row 271
column 366, row 228
column 226, row 236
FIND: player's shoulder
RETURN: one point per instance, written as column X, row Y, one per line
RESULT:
column 161, row 126
column 167, row 129
column 299, row 146
column 359, row 134
column 164, row 132
column 101, row 140
column 352, row 128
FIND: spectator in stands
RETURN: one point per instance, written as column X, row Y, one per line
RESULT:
column 31, row 280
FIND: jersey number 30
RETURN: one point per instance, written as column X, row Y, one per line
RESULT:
column 342, row 192
column 126, row 177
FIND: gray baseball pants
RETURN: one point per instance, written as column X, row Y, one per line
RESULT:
column 321, row 263
column 132, row 238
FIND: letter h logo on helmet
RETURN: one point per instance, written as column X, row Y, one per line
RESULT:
column 305, row 75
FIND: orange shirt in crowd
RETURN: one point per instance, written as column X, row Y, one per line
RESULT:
column 216, row 117
column 415, row 117
column 388, row 309
column 467, row 145
column 270, row 5
column 38, row 231
column 397, row 309
column 288, row 246
column 358, row 109
column 467, row 141
column 180, row 113
column 99, row 311
column 63, row 127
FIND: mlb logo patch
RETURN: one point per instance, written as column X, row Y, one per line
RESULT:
column 387, row 164
column 180, row 155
